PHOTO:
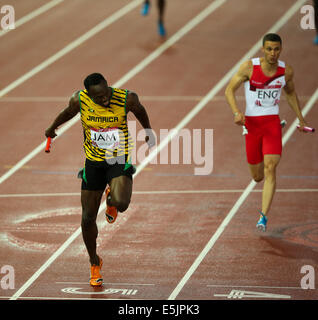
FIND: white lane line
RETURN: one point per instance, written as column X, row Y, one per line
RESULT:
column 142, row 98
column 55, row 255
column 143, row 64
column 182, row 32
column 165, row 192
column 235, row 208
column 108, row 21
column 305, row 110
column 222, row 83
column 232, row 213
column 27, row 195
column 32, row 15
column 22, row 162
column 260, row 287
column 107, row 283
column 172, row 40
column 71, row 46
column 252, row 184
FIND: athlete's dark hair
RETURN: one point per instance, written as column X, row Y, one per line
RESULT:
column 272, row 37
column 93, row 79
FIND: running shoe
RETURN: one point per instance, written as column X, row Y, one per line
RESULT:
column 96, row 279
column 316, row 40
column 161, row 29
column 111, row 212
column 145, row 8
column 261, row 224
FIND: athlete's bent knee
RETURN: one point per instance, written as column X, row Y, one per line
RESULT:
column 123, row 205
column 88, row 220
column 120, row 203
column 258, row 178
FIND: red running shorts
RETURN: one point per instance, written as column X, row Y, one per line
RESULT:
column 264, row 137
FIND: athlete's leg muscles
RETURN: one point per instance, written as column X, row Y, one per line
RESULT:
column 90, row 204
column 120, row 193
column 161, row 8
column 257, row 171
column 270, row 164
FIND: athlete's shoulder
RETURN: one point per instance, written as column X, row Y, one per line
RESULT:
column 247, row 64
column 289, row 69
column 75, row 95
column 289, row 72
column 74, row 100
column 132, row 98
column 133, row 103
column 130, row 92
column 246, row 69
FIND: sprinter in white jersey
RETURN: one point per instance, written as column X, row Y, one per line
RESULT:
column 264, row 78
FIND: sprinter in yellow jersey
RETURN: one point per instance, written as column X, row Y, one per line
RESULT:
column 107, row 145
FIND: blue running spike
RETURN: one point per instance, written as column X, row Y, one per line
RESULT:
column 161, row 29
column 261, row 224
column 145, row 9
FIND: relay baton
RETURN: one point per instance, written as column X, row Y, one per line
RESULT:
column 48, row 144
column 307, row 129
column 244, row 131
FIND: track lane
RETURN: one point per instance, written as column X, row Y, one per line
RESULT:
column 189, row 214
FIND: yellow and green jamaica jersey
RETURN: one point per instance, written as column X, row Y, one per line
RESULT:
column 105, row 128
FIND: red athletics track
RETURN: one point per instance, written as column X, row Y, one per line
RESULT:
column 173, row 213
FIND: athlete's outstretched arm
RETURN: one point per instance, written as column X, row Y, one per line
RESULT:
column 291, row 96
column 65, row 115
column 133, row 104
column 241, row 76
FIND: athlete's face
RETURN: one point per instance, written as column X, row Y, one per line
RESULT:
column 100, row 93
column 272, row 50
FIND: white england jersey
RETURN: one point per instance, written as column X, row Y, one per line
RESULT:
column 263, row 93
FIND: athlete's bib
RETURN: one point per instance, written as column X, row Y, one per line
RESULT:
column 108, row 138
column 263, row 93
column 105, row 128
column 268, row 96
